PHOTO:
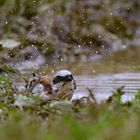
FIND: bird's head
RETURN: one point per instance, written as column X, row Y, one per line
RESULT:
column 62, row 76
column 63, row 84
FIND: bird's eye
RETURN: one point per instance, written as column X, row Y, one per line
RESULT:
column 58, row 79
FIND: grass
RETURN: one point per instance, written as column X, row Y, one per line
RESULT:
column 44, row 121
column 93, row 122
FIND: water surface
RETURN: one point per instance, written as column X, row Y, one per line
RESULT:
column 105, row 85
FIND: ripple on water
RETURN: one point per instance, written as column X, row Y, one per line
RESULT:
column 104, row 86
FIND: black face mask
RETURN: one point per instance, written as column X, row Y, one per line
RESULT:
column 58, row 79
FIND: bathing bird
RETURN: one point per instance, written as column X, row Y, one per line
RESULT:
column 59, row 86
column 63, row 84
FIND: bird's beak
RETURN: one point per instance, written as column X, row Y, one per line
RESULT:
column 69, row 78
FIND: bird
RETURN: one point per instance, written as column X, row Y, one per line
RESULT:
column 60, row 86
column 64, row 84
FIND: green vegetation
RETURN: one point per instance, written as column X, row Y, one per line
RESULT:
column 65, row 29
column 37, row 120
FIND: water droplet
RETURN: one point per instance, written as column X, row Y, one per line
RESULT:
column 94, row 71
column 6, row 22
column 96, row 52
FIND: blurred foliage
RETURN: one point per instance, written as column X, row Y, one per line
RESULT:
column 41, row 120
column 9, row 69
column 63, row 24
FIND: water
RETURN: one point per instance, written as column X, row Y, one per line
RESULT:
column 104, row 86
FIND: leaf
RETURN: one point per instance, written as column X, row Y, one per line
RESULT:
column 8, row 68
column 9, row 43
column 61, row 104
column 3, row 78
column 23, row 101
